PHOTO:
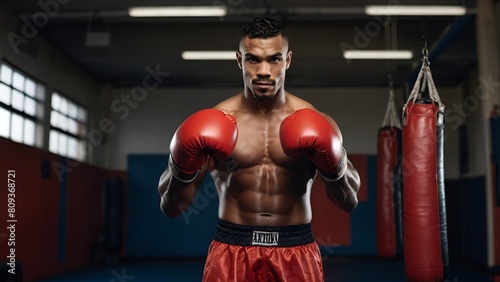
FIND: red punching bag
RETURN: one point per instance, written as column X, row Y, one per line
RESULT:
column 424, row 215
column 388, row 190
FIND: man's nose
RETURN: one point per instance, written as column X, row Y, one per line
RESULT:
column 264, row 70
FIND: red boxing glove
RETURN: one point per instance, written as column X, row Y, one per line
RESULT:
column 307, row 132
column 206, row 133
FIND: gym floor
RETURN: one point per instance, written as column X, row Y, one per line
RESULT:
column 342, row 269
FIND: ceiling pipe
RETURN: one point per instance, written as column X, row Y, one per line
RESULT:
column 449, row 34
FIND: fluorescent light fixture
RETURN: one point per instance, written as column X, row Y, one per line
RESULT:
column 378, row 54
column 178, row 11
column 403, row 10
column 209, row 55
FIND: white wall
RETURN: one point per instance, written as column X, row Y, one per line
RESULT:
column 148, row 127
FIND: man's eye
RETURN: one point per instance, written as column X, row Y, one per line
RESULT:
column 276, row 59
column 251, row 60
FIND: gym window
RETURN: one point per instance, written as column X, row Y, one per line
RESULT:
column 21, row 107
column 68, row 122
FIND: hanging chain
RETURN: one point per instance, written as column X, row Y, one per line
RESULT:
column 391, row 83
column 425, row 53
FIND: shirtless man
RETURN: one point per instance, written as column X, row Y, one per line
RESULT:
column 263, row 147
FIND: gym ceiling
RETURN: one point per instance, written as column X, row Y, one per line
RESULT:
column 319, row 31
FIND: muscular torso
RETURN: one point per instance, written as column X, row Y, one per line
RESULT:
column 259, row 184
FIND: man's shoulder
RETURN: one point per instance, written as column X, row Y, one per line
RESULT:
column 229, row 104
column 298, row 103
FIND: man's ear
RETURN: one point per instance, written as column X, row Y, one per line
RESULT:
column 239, row 59
column 288, row 59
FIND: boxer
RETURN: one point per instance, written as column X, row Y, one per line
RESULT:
column 263, row 148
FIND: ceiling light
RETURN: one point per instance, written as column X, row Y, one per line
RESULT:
column 209, row 55
column 180, row 11
column 378, row 54
column 403, row 10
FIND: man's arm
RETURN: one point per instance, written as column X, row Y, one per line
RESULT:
column 177, row 196
column 343, row 192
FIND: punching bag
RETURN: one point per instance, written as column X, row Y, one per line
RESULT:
column 424, row 210
column 388, row 190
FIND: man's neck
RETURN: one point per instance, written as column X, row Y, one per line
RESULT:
column 264, row 107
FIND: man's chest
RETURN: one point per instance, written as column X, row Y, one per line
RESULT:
column 259, row 141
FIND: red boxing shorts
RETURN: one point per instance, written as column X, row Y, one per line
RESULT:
column 263, row 253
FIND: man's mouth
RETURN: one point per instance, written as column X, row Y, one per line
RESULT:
column 263, row 83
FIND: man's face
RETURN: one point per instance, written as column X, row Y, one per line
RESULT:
column 264, row 63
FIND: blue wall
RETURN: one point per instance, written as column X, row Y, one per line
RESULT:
column 152, row 234
column 474, row 219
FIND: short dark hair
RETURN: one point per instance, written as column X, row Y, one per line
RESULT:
column 263, row 27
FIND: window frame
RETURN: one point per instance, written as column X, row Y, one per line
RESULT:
column 80, row 134
column 38, row 118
